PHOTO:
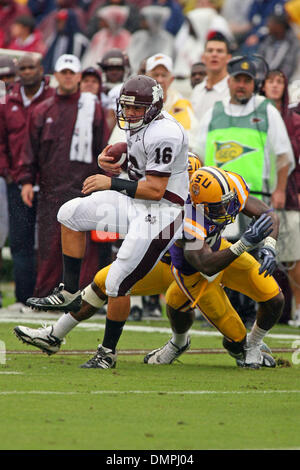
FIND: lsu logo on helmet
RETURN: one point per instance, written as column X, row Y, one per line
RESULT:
column 213, row 189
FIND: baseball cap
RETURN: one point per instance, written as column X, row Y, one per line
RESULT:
column 159, row 59
column 7, row 66
column 244, row 66
column 92, row 71
column 68, row 61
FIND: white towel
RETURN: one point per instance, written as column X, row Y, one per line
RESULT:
column 81, row 145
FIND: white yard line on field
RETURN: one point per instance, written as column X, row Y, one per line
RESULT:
column 147, row 392
column 92, row 326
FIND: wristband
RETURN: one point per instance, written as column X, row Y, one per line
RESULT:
column 238, row 248
column 270, row 241
column 124, row 186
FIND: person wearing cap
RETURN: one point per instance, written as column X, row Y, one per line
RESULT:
column 115, row 69
column 91, row 81
column 65, row 135
column 8, row 71
column 160, row 67
column 25, row 96
column 245, row 133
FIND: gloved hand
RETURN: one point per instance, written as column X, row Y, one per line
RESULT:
column 257, row 230
column 267, row 257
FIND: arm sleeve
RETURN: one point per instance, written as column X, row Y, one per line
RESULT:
column 29, row 157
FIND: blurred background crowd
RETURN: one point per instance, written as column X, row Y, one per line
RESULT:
column 112, row 40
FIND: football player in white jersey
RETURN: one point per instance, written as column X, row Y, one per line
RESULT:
column 147, row 209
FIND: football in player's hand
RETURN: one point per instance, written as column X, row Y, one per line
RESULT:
column 119, row 152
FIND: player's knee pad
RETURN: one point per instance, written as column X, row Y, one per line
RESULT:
column 90, row 296
column 67, row 211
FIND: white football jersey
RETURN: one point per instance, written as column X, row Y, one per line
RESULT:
column 161, row 149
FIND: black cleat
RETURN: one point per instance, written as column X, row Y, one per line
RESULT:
column 60, row 299
column 103, row 359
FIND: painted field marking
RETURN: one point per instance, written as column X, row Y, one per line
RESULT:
column 147, row 392
column 91, row 326
column 10, row 373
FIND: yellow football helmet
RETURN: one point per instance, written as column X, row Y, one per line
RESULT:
column 212, row 188
column 194, row 163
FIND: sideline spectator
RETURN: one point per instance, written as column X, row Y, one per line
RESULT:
column 276, row 89
column 48, row 24
column 152, row 38
column 25, row 37
column 66, row 38
column 258, row 14
column 190, row 41
column 25, row 96
column 257, row 147
column 236, row 14
column 176, row 19
column 8, row 72
column 215, row 85
column 3, row 223
column 41, row 8
column 66, row 134
column 160, row 67
column 132, row 23
column 281, row 47
column 9, row 11
column 198, row 73
column 115, row 69
column 91, row 81
column 111, row 35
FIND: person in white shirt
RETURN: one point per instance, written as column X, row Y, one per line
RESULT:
column 245, row 133
column 215, row 85
column 160, row 68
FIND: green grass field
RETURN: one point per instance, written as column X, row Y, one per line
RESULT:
column 202, row 401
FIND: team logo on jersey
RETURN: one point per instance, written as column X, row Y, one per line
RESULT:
column 211, row 228
column 150, row 218
column 228, row 151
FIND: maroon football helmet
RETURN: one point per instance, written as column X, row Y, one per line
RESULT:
column 139, row 90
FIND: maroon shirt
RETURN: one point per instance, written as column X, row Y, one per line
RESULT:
column 13, row 120
column 46, row 153
column 8, row 14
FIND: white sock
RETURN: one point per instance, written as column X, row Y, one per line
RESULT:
column 64, row 325
column 179, row 339
column 256, row 335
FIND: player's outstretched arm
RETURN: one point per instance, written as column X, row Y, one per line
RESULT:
column 211, row 262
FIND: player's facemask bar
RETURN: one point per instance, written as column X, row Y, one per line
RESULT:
column 223, row 212
column 131, row 123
